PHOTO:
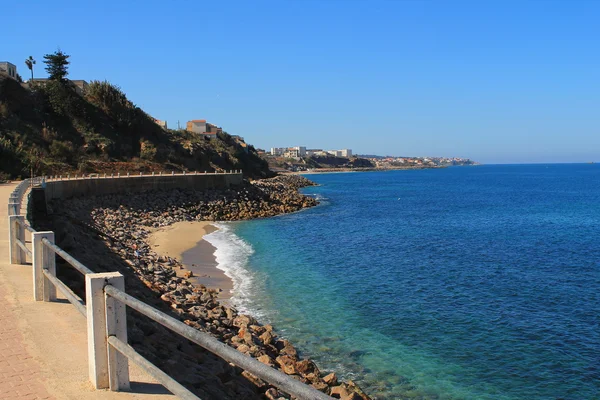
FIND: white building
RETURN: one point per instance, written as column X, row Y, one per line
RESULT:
column 290, row 152
column 8, row 69
column 345, row 153
column 340, row 153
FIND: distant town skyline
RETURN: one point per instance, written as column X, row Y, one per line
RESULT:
column 496, row 82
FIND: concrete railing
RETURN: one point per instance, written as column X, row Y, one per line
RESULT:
column 104, row 308
column 16, row 197
column 129, row 174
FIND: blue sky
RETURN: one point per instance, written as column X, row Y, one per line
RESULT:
column 495, row 81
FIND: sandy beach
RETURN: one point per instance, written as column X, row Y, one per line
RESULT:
column 184, row 242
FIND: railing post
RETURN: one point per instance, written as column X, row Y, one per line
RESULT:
column 12, row 207
column 105, row 316
column 16, row 231
column 116, row 325
column 43, row 259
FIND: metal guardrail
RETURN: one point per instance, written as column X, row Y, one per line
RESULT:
column 104, row 310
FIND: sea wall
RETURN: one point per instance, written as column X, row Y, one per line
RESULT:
column 77, row 187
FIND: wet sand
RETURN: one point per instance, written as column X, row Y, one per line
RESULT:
column 184, row 242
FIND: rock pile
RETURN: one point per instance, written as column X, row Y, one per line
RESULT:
column 122, row 222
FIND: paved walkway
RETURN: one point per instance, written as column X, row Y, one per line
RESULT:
column 20, row 373
column 43, row 346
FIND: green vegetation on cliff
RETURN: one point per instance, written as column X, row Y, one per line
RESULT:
column 49, row 128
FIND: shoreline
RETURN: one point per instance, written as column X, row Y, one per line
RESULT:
column 350, row 170
column 184, row 241
column 369, row 169
column 124, row 224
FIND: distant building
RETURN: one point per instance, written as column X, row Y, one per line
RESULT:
column 79, row 85
column 289, row 152
column 345, row 153
column 9, row 69
column 295, row 152
column 315, row 152
column 196, row 126
column 162, row 124
column 213, row 129
column 340, row 153
column 202, row 128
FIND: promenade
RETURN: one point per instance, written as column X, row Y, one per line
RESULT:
column 43, row 345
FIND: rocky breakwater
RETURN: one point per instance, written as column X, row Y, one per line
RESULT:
column 122, row 222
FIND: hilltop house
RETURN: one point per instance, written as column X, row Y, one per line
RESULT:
column 9, row 69
column 162, row 124
column 203, row 128
column 79, row 85
column 196, row 126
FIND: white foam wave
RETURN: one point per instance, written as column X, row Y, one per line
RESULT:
column 320, row 197
column 232, row 254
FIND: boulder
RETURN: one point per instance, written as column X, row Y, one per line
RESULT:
column 266, row 337
column 339, row 392
column 254, row 379
column 243, row 321
column 331, row 379
column 287, row 364
column 306, row 367
column 265, row 359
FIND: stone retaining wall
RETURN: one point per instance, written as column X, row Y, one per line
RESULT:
column 65, row 189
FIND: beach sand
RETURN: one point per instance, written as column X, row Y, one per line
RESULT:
column 184, row 242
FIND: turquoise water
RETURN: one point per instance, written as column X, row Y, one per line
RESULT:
column 461, row 283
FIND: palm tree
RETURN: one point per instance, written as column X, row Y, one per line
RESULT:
column 30, row 62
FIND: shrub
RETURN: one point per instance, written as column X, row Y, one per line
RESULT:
column 62, row 151
column 147, row 151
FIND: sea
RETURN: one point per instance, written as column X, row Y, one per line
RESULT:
column 478, row 282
